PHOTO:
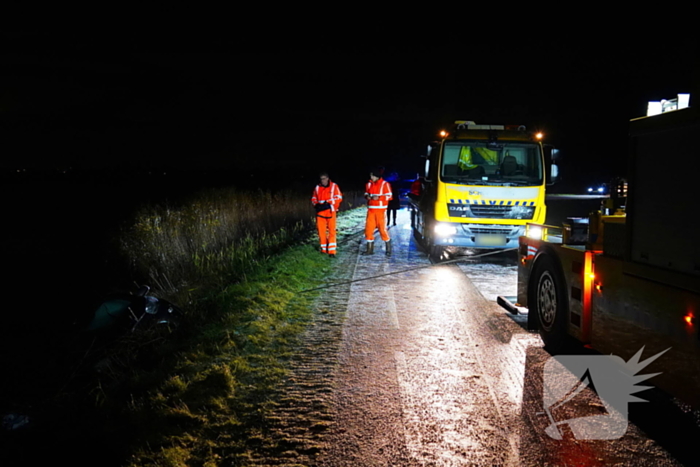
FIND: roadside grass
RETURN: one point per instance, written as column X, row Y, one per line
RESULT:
column 214, row 239
column 217, row 238
column 201, row 394
column 207, row 400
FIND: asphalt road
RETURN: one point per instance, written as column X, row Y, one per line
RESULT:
column 430, row 371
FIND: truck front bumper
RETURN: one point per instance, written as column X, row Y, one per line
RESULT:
column 477, row 235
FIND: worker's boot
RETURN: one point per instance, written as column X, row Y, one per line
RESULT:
column 370, row 249
column 388, row 247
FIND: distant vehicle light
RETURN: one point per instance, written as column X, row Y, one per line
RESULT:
column 601, row 188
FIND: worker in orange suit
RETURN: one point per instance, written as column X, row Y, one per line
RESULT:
column 326, row 200
column 378, row 195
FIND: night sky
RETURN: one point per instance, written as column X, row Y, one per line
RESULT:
column 296, row 100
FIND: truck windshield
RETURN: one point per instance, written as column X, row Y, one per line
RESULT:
column 478, row 163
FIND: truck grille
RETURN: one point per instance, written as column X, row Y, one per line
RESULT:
column 490, row 231
column 489, row 211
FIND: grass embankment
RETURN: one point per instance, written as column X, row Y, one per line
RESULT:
column 236, row 262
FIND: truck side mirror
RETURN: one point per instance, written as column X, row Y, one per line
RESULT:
column 551, row 169
column 553, row 174
column 428, row 156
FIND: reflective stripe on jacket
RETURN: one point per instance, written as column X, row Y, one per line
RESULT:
column 329, row 194
column 381, row 188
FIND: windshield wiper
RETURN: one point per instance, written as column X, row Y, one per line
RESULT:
column 516, row 182
column 474, row 182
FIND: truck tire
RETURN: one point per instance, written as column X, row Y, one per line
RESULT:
column 437, row 253
column 549, row 304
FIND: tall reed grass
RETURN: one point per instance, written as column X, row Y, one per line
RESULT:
column 217, row 237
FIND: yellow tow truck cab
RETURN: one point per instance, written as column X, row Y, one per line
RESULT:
column 483, row 184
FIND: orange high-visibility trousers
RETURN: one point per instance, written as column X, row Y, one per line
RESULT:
column 376, row 219
column 326, row 232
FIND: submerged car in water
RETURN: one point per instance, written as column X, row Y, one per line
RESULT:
column 132, row 311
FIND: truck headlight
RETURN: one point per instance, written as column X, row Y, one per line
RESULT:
column 535, row 232
column 445, row 230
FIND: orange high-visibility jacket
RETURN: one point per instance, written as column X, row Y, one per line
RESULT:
column 381, row 188
column 328, row 194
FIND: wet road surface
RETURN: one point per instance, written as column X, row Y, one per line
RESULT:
column 429, row 371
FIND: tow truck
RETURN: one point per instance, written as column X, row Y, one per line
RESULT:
column 482, row 184
column 628, row 276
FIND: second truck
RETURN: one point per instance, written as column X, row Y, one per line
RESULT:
column 629, row 278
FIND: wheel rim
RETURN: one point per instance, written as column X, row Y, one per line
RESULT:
column 546, row 300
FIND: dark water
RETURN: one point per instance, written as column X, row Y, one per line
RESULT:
column 60, row 256
column 59, row 260
column 58, row 248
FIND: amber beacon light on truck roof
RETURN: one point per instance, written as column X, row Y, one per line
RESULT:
column 461, row 125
